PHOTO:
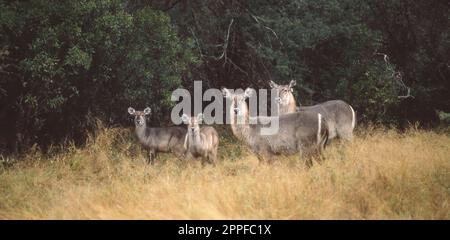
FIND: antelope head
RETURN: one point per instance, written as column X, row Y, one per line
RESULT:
column 139, row 116
column 284, row 92
column 193, row 122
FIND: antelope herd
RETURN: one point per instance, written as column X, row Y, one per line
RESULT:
column 303, row 130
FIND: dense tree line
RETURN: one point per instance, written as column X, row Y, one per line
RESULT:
column 65, row 63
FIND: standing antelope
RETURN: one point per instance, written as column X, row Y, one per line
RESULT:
column 300, row 132
column 340, row 116
column 168, row 139
column 200, row 142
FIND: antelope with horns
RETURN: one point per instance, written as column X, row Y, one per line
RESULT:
column 305, row 133
column 158, row 139
column 200, row 142
column 340, row 116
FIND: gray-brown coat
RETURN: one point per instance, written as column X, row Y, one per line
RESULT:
column 158, row 139
column 305, row 133
column 200, row 141
column 340, row 116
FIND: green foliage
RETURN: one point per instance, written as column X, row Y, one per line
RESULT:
column 329, row 47
column 70, row 59
column 444, row 117
column 374, row 92
column 63, row 63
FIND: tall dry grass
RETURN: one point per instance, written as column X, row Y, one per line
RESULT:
column 382, row 174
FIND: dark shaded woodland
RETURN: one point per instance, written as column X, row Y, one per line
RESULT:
column 65, row 63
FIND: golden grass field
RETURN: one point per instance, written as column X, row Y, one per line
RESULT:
column 382, row 174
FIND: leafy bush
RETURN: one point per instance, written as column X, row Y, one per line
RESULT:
column 71, row 60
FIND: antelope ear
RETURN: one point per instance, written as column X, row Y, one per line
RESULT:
column 185, row 118
column 131, row 111
column 147, row 111
column 226, row 93
column 248, row 92
column 292, row 83
column 272, row 84
column 200, row 117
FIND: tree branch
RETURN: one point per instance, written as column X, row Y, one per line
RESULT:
column 225, row 44
column 398, row 77
column 266, row 27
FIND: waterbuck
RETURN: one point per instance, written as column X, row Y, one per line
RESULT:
column 286, row 100
column 200, row 142
column 340, row 116
column 305, row 133
column 158, row 139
